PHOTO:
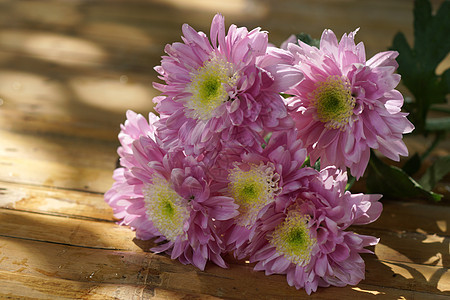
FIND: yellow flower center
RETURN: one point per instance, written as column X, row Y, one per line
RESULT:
column 334, row 102
column 209, row 88
column 253, row 189
column 291, row 238
column 164, row 207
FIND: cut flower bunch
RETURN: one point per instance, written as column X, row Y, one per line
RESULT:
column 230, row 165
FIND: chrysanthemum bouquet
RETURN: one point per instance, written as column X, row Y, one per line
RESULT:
column 230, row 165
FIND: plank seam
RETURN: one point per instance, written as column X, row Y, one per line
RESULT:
column 65, row 244
column 53, row 187
column 60, row 215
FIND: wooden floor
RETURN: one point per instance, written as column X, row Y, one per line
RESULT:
column 68, row 72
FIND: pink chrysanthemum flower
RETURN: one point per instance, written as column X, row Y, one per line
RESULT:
column 306, row 240
column 167, row 196
column 258, row 180
column 215, row 92
column 346, row 105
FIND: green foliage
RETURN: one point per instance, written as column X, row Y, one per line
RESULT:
column 307, row 39
column 413, row 164
column 418, row 65
column 350, row 182
column 393, row 182
column 435, row 172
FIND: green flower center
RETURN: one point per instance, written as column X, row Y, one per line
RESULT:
column 209, row 88
column 292, row 239
column 253, row 189
column 297, row 237
column 164, row 207
column 334, row 102
column 167, row 208
column 250, row 192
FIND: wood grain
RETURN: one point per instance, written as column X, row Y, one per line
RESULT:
column 68, row 162
column 396, row 257
column 127, row 267
column 69, row 70
column 54, row 201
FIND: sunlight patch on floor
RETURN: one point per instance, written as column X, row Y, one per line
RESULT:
column 237, row 7
column 367, row 291
column 57, row 48
column 25, row 87
column 115, row 95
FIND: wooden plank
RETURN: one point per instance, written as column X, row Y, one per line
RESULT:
column 72, row 263
column 280, row 19
column 13, row 285
column 411, row 247
column 68, row 72
column 416, row 217
column 16, row 285
column 139, row 30
column 118, row 267
column 408, row 276
column 18, row 120
column 56, row 174
column 57, row 161
column 63, row 230
column 402, row 248
column 84, row 51
column 369, row 292
column 60, row 202
column 397, row 219
column 94, row 45
column 87, row 102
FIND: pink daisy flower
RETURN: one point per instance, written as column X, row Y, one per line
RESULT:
column 258, row 180
column 346, row 105
column 167, row 196
column 135, row 126
column 306, row 239
column 216, row 93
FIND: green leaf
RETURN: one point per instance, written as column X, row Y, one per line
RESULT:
column 406, row 59
column 393, row 182
column 308, row 163
column 417, row 65
column 435, row 172
column 285, row 96
column 350, row 181
column 444, row 84
column 422, row 23
column 317, row 165
column 412, row 165
column 431, row 41
column 307, row 39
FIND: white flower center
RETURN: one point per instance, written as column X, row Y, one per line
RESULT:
column 165, row 208
column 253, row 189
column 334, row 102
column 209, row 88
column 292, row 239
